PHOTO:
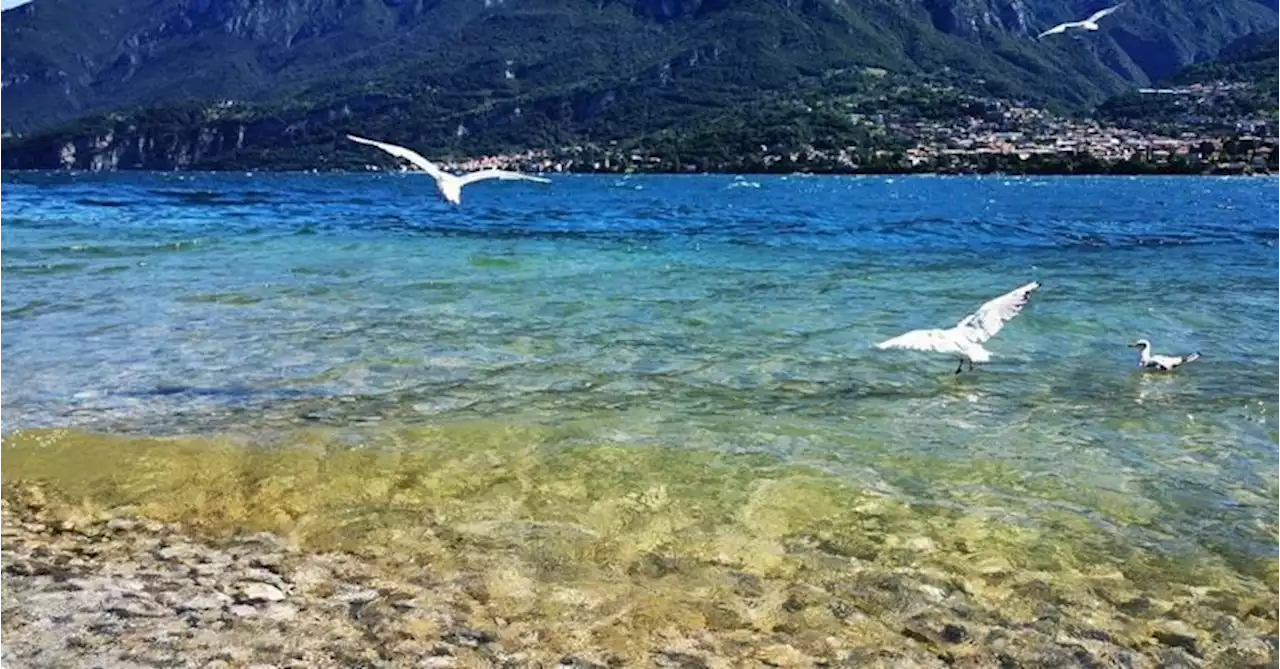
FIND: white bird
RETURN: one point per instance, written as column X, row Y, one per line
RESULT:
column 1160, row 363
column 449, row 185
column 1090, row 23
column 967, row 337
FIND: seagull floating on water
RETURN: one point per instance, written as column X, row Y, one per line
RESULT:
column 449, row 185
column 968, row 336
column 1090, row 23
column 1160, row 363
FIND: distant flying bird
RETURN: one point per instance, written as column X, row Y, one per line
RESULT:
column 967, row 337
column 1160, row 363
column 449, row 185
column 1090, row 23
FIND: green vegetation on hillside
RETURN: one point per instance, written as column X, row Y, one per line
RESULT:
column 544, row 72
column 1242, row 85
column 1254, row 60
column 749, row 85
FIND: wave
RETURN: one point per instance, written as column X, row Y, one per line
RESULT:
column 210, row 197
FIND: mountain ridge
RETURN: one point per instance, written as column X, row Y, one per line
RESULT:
column 508, row 75
column 467, row 53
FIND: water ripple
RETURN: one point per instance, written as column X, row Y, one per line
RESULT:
column 680, row 311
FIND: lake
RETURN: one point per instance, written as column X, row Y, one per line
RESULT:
column 662, row 365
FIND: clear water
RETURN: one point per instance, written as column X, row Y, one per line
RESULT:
column 682, row 315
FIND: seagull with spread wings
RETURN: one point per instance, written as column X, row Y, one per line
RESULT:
column 449, row 185
column 1090, row 23
column 967, row 337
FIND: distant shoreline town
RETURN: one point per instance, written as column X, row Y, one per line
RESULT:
column 1245, row 155
column 1011, row 138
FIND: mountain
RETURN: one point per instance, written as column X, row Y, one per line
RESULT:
column 1237, row 90
column 468, row 76
column 1254, row 57
column 63, row 59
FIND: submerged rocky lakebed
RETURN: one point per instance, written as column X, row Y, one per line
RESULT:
column 189, row 552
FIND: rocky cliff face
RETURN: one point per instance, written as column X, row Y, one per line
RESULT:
column 1029, row 17
column 972, row 17
column 204, row 146
column 219, row 135
column 136, row 148
column 1142, row 42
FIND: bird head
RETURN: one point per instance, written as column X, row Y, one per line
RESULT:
column 1140, row 344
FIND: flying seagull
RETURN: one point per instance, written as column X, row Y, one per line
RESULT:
column 1160, row 363
column 968, row 336
column 1090, row 23
column 449, row 185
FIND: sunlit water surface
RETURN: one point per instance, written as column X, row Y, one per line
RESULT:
column 678, row 364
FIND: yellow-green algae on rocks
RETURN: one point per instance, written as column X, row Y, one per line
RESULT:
column 616, row 546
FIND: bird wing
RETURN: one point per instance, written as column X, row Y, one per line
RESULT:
column 401, row 152
column 1060, row 28
column 937, row 341
column 484, row 175
column 1103, row 12
column 1168, row 362
column 984, row 323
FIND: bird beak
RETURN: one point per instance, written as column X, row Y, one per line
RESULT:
column 1133, row 346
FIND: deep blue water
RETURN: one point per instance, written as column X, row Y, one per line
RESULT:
column 700, row 311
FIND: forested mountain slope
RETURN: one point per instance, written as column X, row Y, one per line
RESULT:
column 212, row 77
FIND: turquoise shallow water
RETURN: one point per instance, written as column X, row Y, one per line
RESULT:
column 704, row 312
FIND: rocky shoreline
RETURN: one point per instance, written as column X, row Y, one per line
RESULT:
column 111, row 589
column 125, row 591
